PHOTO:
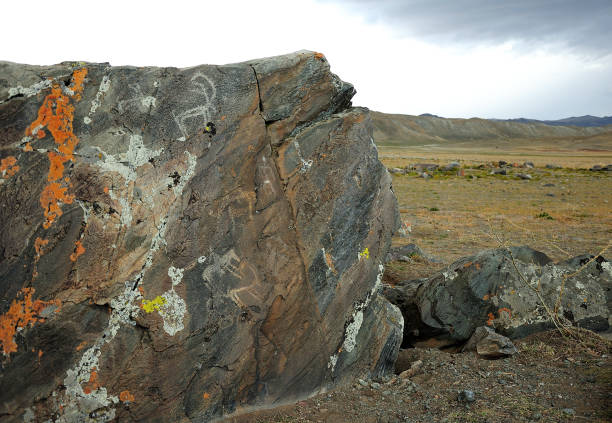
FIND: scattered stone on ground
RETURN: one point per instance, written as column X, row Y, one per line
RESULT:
column 488, row 343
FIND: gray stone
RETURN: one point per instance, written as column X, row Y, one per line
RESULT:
column 194, row 241
column 486, row 290
column 452, row 166
column 487, row 343
column 466, row 396
column 524, row 176
column 499, row 171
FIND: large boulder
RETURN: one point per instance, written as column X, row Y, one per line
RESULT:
column 503, row 289
column 179, row 244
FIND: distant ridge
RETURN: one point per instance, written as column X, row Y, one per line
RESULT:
column 583, row 121
column 405, row 130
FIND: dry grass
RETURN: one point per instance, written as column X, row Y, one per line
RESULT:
column 562, row 212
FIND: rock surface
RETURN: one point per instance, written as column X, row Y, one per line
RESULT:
column 486, row 289
column 179, row 244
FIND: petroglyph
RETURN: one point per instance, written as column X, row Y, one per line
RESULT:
column 227, row 263
column 207, row 92
column 140, row 101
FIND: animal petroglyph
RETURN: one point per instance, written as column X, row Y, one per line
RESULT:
column 207, row 92
column 140, row 100
column 227, row 263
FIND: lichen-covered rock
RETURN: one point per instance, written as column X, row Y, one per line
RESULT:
column 178, row 244
column 487, row 289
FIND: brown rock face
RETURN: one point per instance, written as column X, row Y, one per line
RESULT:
column 178, row 244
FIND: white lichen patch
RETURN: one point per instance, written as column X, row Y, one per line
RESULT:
column 148, row 101
column 449, row 275
column 95, row 103
column 31, row 90
column 352, row 329
column 173, row 312
column 191, row 165
column 176, row 275
column 201, row 259
column 79, row 404
column 607, row 266
column 126, row 165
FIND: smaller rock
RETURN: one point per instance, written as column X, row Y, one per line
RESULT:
column 424, row 175
column 362, row 382
column 375, row 385
column 499, row 171
column 413, row 370
column 548, row 185
column 452, row 166
column 528, row 165
column 396, row 171
column 466, row 396
column 421, row 167
column 569, row 411
column 487, row 343
column 502, row 163
column 552, row 166
column 524, row 176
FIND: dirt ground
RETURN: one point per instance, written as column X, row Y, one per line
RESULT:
column 562, row 212
column 551, row 379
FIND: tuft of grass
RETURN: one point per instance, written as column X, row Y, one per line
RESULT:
column 434, row 209
column 544, row 215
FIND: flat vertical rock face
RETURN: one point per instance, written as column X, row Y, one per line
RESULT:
column 180, row 244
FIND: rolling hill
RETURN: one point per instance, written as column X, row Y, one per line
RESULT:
column 405, row 130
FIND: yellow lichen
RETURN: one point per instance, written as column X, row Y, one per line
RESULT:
column 153, row 305
column 365, row 253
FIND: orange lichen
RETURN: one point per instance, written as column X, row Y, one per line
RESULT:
column 125, row 396
column 319, row 56
column 206, row 395
column 486, row 297
column 468, row 264
column 507, row 310
column 477, row 266
column 78, row 251
column 28, row 147
column 81, row 346
column 50, row 198
column 92, row 384
column 8, row 167
column 491, row 318
column 22, row 313
column 39, row 243
column 105, row 190
column 56, row 114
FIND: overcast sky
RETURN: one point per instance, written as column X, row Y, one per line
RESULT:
column 544, row 59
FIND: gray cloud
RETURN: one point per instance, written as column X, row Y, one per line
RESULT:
column 584, row 26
